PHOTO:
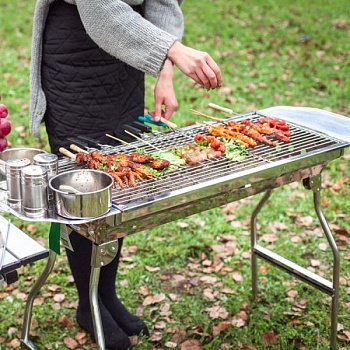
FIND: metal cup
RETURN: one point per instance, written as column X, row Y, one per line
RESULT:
column 48, row 161
column 34, row 190
column 13, row 181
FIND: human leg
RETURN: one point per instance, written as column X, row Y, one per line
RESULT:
column 130, row 323
column 80, row 264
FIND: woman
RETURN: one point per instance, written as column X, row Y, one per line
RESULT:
column 87, row 78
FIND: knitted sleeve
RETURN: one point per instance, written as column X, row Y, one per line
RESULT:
column 123, row 33
column 165, row 14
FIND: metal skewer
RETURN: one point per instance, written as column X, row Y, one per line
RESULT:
column 207, row 116
column 222, row 109
column 144, row 141
column 122, row 141
column 3, row 244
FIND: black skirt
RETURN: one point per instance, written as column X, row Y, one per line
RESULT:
column 88, row 91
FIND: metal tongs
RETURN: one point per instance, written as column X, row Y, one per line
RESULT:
column 3, row 246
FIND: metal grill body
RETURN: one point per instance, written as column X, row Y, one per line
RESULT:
column 193, row 189
column 212, row 183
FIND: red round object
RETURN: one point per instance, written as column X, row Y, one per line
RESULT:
column 5, row 127
column 3, row 144
column 3, row 111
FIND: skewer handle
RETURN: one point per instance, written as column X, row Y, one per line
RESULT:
column 77, row 149
column 220, row 108
column 168, row 123
column 67, row 153
column 206, row 115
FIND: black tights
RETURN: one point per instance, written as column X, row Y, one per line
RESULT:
column 118, row 323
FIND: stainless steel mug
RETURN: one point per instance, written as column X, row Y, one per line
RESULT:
column 34, row 190
column 13, row 181
column 48, row 161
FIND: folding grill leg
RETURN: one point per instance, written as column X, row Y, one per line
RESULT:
column 26, row 343
column 254, row 257
column 314, row 184
column 101, row 255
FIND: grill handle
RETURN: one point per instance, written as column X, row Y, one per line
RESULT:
column 143, row 127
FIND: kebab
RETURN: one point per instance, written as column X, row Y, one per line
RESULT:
column 248, row 128
column 125, row 169
column 281, row 129
column 204, row 148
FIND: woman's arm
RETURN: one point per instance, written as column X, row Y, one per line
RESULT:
column 126, row 35
column 164, row 94
column 165, row 14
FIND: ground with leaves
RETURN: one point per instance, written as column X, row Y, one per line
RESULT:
column 190, row 280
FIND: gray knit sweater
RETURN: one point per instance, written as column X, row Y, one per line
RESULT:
column 141, row 42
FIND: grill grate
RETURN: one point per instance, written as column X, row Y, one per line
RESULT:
column 303, row 141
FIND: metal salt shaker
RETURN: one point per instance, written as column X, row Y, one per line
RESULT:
column 34, row 190
column 49, row 162
column 13, row 181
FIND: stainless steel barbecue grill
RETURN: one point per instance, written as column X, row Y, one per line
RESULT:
column 192, row 189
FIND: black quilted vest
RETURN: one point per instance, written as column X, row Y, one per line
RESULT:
column 88, row 91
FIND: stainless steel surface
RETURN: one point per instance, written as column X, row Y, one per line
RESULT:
column 297, row 271
column 253, row 236
column 101, row 255
column 315, row 186
column 328, row 287
column 25, row 341
column 49, row 162
column 34, row 191
column 16, row 153
column 3, row 243
column 13, row 180
column 94, row 199
column 327, row 122
column 189, row 190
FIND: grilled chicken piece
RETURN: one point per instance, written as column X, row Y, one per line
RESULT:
column 140, row 158
column 159, row 164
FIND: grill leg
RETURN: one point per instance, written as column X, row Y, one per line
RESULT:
column 315, row 185
column 101, row 255
column 253, row 235
column 26, row 343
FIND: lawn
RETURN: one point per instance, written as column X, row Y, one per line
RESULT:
column 190, row 280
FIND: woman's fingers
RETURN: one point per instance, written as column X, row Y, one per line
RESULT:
column 210, row 76
column 215, row 69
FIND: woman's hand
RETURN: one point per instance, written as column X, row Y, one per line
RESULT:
column 164, row 94
column 196, row 64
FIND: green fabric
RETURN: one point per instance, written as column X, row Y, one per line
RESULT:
column 55, row 237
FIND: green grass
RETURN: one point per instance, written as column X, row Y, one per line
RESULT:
column 271, row 53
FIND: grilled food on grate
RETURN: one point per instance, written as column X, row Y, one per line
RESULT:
column 248, row 133
column 125, row 169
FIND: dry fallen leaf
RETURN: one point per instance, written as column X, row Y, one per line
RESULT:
column 70, row 343
column 269, row 238
column 153, row 299
column 240, row 319
column 221, row 327
column 65, row 321
column 143, row 291
column 237, row 276
column 152, row 269
column 270, row 338
column 217, row 312
column 191, row 345
column 58, row 298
